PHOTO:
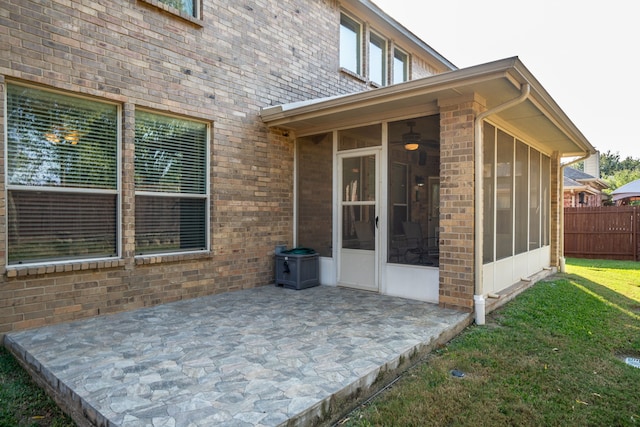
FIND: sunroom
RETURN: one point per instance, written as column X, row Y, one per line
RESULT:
column 438, row 189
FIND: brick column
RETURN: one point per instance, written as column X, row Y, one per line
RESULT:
column 3, row 204
column 457, row 237
column 557, row 210
column 128, row 184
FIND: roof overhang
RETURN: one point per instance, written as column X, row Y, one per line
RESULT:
column 631, row 189
column 594, row 182
column 538, row 118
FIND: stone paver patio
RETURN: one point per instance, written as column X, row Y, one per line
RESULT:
column 261, row 357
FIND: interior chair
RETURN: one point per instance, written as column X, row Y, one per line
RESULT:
column 417, row 249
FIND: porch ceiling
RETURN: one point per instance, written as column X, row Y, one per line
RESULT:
column 539, row 118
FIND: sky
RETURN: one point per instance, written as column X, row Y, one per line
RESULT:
column 585, row 54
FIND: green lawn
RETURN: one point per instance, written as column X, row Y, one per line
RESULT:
column 22, row 402
column 552, row 357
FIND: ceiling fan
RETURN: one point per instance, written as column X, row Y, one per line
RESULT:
column 413, row 140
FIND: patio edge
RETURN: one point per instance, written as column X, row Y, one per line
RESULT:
column 333, row 408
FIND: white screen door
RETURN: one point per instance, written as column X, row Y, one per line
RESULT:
column 358, row 220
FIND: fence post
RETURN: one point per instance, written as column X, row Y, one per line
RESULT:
column 635, row 229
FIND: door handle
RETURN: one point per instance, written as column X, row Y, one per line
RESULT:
column 376, row 222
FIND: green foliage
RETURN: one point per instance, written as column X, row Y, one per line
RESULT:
column 611, row 163
column 622, row 177
column 553, row 356
column 22, row 403
column 616, row 172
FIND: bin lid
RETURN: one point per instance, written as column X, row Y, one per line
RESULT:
column 300, row 251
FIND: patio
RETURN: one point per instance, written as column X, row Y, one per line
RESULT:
column 260, row 357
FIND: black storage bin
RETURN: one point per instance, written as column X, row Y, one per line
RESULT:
column 297, row 268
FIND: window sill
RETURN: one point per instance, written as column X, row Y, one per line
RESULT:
column 160, row 258
column 174, row 11
column 33, row 270
column 353, row 75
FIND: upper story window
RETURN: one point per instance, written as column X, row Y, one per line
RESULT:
column 400, row 66
column 62, row 177
column 377, row 59
column 171, row 184
column 190, row 7
column 383, row 62
column 350, row 44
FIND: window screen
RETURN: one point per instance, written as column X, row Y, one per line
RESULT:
column 534, row 203
column 545, row 185
column 521, row 198
column 62, row 176
column 488, row 176
column 171, row 184
column 504, row 196
column 516, row 187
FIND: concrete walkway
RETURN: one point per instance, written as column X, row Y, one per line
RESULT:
column 261, row 357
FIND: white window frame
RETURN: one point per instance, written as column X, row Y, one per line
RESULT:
column 205, row 196
column 382, row 43
column 405, row 69
column 61, row 189
column 354, row 26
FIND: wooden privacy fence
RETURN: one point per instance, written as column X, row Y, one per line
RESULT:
column 609, row 232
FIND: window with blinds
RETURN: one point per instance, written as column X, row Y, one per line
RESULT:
column 171, row 184
column 62, row 177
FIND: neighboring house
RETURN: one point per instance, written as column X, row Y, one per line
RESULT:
column 582, row 189
column 628, row 194
column 157, row 150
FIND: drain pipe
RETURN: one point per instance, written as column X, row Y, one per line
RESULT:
column 478, row 297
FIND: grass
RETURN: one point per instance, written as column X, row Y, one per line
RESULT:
column 22, row 402
column 552, row 357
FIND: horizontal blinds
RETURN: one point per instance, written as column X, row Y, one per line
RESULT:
column 170, row 160
column 50, row 226
column 170, row 154
column 170, row 224
column 59, row 140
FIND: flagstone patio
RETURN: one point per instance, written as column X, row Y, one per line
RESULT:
column 261, row 357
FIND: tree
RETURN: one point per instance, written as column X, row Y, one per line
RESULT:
column 617, row 173
column 622, row 177
column 610, row 163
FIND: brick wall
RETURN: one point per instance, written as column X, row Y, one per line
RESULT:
column 222, row 69
column 572, row 199
column 457, row 284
